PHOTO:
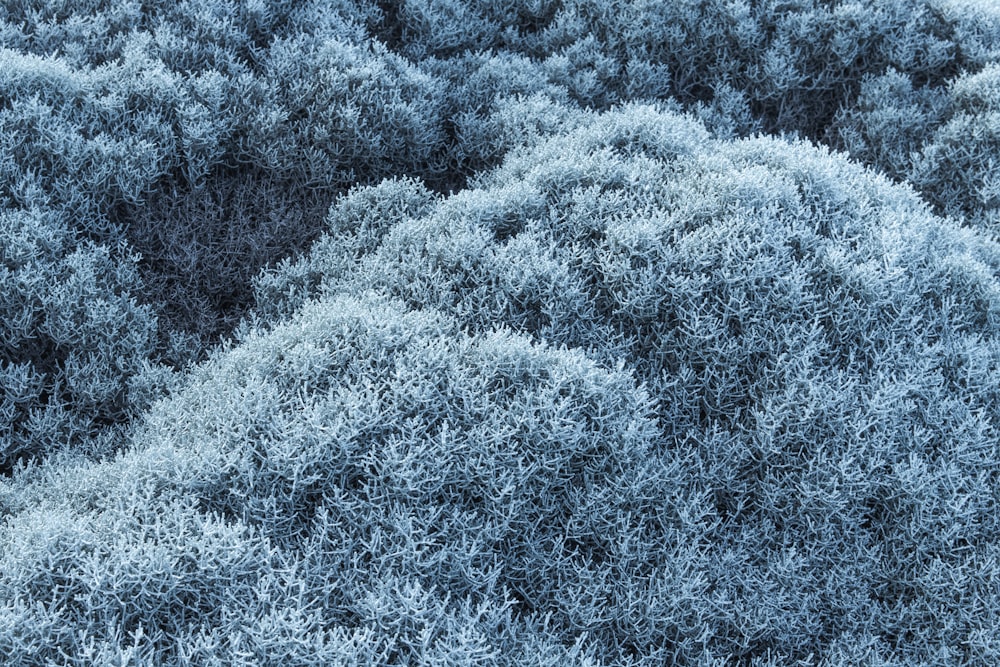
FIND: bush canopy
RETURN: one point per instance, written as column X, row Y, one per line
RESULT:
column 591, row 332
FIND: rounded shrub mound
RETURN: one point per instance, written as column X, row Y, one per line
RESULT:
column 944, row 142
column 638, row 397
column 362, row 484
column 822, row 352
column 636, row 391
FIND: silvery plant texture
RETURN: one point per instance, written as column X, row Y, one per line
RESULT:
column 500, row 333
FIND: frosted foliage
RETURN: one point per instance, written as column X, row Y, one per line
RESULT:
column 528, row 333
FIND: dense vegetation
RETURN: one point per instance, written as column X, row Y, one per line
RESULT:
column 579, row 332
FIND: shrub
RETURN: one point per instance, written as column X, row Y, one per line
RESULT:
column 942, row 141
column 890, row 122
column 76, row 350
column 201, row 248
column 58, row 147
column 643, row 387
column 338, row 113
column 957, row 166
column 815, row 342
column 796, row 63
column 157, row 145
column 369, row 483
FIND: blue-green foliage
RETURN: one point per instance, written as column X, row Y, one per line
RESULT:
column 814, row 340
column 74, row 345
column 70, row 140
column 74, row 334
column 957, row 167
column 559, row 333
column 363, row 483
column 335, row 113
column 796, row 61
column 945, row 142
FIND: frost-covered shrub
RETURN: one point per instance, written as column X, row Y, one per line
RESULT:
column 959, row 166
column 222, row 35
column 75, row 347
column 418, row 29
column 977, row 27
column 493, row 103
column 945, row 142
column 636, row 391
column 357, row 222
column 201, row 249
column 86, row 33
column 69, row 139
column 890, row 122
column 75, row 149
column 114, row 113
column 822, row 350
column 365, row 481
column 334, row 113
column 171, row 150
column 796, row 63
